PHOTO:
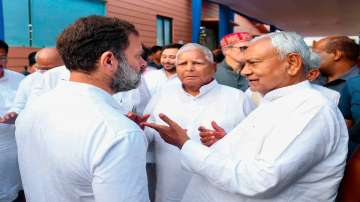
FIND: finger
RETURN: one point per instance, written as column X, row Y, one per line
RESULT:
column 203, row 129
column 216, row 126
column 170, row 122
column 206, row 134
column 144, row 118
column 12, row 115
column 211, row 142
column 207, row 139
column 131, row 116
column 154, row 126
column 219, row 135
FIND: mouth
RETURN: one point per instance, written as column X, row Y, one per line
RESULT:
column 252, row 81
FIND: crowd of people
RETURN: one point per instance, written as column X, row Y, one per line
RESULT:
column 101, row 118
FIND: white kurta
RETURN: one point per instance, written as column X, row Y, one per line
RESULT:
column 10, row 182
column 75, row 145
column 134, row 100
column 291, row 148
column 24, row 94
column 215, row 102
column 50, row 79
column 157, row 79
column 328, row 93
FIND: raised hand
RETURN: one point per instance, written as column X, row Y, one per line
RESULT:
column 209, row 137
column 8, row 118
column 172, row 134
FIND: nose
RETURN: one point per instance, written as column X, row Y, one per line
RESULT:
column 246, row 70
column 189, row 66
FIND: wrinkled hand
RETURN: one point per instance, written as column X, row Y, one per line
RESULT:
column 209, row 137
column 137, row 118
column 172, row 134
column 8, row 118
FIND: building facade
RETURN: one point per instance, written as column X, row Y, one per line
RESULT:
column 33, row 24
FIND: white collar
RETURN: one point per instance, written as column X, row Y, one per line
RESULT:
column 281, row 92
column 203, row 89
column 94, row 91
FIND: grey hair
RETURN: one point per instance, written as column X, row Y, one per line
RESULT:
column 289, row 42
column 314, row 60
column 194, row 46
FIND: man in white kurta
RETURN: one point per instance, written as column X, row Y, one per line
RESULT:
column 292, row 147
column 46, row 58
column 276, row 154
column 86, row 146
column 74, row 142
column 214, row 102
column 10, row 182
column 156, row 79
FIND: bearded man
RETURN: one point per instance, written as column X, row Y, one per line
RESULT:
column 73, row 140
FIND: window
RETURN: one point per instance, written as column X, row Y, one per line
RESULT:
column 163, row 30
column 47, row 19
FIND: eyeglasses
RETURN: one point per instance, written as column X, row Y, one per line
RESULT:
column 241, row 48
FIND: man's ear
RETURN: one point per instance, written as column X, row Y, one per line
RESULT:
column 337, row 55
column 313, row 74
column 294, row 63
column 108, row 62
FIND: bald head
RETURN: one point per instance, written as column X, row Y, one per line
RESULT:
column 48, row 58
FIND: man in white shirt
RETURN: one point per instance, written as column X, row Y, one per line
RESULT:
column 156, row 79
column 290, row 148
column 10, row 182
column 197, row 101
column 47, row 58
column 74, row 144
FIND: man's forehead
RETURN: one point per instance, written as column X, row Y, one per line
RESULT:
column 170, row 51
column 260, row 47
column 196, row 53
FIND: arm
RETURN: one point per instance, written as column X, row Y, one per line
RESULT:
column 279, row 164
column 21, row 97
column 119, row 172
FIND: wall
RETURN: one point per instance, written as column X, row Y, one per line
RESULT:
column 142, row 13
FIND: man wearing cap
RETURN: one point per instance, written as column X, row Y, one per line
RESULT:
column 228, row 71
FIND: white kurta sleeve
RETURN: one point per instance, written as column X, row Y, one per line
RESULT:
column 119, row 174
column 287, row 153
column 21, row 97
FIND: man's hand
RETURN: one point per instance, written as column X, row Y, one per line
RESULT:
column 209, row 137
column 172, row 134
column 138, row 119
column 9, row 118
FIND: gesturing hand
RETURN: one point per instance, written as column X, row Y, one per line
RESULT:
column 209, row 137
column 9, row 118
column 172, row 134
column 138, row 119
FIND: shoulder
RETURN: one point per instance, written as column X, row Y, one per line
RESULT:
column 230, row 91
column 14, row 75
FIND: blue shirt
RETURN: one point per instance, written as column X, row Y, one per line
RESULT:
column 350, row 99
column 338, row 84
